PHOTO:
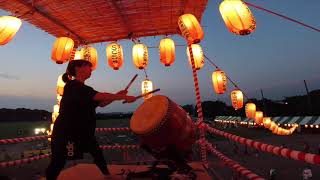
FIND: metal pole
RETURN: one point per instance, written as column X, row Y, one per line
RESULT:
column 308, row 98
column 264, row 104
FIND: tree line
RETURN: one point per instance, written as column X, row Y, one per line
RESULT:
column 290, row 106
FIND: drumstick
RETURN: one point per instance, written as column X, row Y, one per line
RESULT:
column 153, row 91
column 134, row 78
column 142, row 95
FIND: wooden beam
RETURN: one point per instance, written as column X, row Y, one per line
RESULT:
column 124, row 18
column 51, row 19
column 138, row 35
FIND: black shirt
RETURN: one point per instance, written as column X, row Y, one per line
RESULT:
column 77, row 112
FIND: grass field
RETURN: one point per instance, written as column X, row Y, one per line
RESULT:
column 24, row 128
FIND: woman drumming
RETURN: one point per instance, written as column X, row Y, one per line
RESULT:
column 73, row 132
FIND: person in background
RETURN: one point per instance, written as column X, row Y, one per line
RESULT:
column 306, row 147
column 307, row 173
column 272, row 174
column 73, row 132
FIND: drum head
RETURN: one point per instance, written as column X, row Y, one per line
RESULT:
column 149, row 115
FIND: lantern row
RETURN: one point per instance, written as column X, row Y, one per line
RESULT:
column 257, row 125
column 64, row 48
column 259, row 119
column 219, row 79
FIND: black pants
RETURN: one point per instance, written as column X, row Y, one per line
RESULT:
column 58, row 157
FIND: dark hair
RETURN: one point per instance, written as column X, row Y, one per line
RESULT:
column 71, row 69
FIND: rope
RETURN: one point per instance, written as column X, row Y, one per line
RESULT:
column 233, row 164
column 145, row 73
column 284, row 152
column 199, row 123
column 121, row 147
column 44, row 137
column 24, row 139
column 35, row 158
column 282, row 16
column 233, row 83
column 23, row 161
column 124, row 129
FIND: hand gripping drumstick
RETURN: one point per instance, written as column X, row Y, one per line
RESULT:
column 140, row 96
column 134, row 78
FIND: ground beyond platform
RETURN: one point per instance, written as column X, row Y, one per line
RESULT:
column 90, row 171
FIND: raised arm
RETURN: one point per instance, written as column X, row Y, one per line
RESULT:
column 107, row 98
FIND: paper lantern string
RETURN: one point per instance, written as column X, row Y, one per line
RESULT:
column 145, row 73
column 282, row 16
column 233, row 83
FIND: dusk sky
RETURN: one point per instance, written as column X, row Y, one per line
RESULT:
column 277, row 57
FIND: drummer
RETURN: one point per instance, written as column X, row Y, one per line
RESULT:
column 73, row 132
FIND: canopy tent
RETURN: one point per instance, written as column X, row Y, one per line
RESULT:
column 104, row 20
column 301, row 120
column 228, row 118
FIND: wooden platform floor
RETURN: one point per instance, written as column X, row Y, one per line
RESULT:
column 91, row 172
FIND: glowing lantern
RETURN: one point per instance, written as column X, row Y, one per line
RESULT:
column 59, row 99
column 273, row 125
column 53, row 117
column 90, row 54
column 237, row 99
column 275, row 129
column 60, row 85
column 198, row 56
column 250, row 110
column 258, row 117
column 266, row 122
column 62, row 50
column 140, row 56
column 146, row 86
column 237, row 17
column 9, row 26
column 55, row 113
column 78, row 55
column 56, row 109
column 219, row 80
column 167, row 51
column 285, row 132
column 280, row 131
column 190, row 28
column 114, row 55
column 50, row 132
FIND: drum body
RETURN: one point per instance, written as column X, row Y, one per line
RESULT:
column 159, row 123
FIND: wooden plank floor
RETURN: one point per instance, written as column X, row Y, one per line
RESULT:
column 90, row 171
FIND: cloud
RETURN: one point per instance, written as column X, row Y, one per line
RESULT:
column 8, row 76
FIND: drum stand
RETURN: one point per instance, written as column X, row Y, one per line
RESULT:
column 176, row 162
